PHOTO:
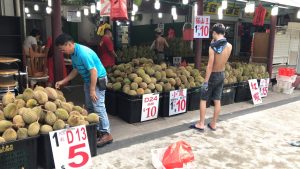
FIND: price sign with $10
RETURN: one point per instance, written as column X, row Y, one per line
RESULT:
column 150, row 107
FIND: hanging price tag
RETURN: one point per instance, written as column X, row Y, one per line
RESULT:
column 201, row 26
column 71, row 148
column 150, row 107
column 177, row 102
column 255, row 92
column 264, row 87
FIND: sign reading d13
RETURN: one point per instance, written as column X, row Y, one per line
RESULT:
column 177, row 102
column 150, row 107
column 201, row 27
column 71, row 148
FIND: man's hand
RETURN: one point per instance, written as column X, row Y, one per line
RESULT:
column 204, row 88
column 59, row 84
column 93, row 96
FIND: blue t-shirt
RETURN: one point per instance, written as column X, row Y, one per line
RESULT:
column 84, row 59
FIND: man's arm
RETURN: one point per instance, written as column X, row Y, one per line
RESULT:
column 93, row 82
column 166, row 43
column 210, row 64
column 71, row 76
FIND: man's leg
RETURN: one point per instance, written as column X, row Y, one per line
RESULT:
column 202, row 114
column 216, row 113
column 100, row 109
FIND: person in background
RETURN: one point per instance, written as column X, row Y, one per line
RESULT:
column 159, row 45
column 107, row 52
column 31, row 41
column 86, row 62
column 219, row 52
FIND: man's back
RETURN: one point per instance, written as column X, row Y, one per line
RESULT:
column 221, row 59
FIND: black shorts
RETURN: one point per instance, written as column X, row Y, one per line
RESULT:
column 215, row 87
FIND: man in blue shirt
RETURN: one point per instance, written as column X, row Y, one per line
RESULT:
column 86, row 62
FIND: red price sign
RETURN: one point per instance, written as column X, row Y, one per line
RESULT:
column 70, row 148
column 177, row 101
column 150, row 107
column 201, row 27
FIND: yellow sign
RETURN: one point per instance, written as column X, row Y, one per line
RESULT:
column 212, row 9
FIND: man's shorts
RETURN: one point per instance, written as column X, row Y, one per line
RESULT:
column 215, row 87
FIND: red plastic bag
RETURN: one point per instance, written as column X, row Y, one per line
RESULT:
column 118, row 10
column 177, row 154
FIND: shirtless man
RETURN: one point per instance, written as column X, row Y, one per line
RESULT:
column 219, row 52
column 159, row 45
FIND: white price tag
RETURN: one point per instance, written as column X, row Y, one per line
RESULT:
column 255, row 92
column 176, row 61
column 264, row 87
column 71, row 148
column 150, row 107
column 201, row 26
column 177, row 102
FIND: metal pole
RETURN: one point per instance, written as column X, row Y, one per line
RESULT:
column 56, row 31
column 199, row 41
column 17, row 8
column 22, row 20
column 271, row 43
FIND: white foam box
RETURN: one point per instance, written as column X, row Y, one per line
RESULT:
column 288, row 91
column 290, row 79
column 284, row 84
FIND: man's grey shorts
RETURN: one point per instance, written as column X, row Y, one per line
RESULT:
column 215, row 87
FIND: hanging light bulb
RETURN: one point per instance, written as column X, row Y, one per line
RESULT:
column 93, row 8
column 26, row 10
column 28, row 15
column 78, row 14
column 98, row 5
column 175, row 17
column 173, row 10
column 49, row 2
column 86, row 11
column 224, row 4
column 274, row 10
column 298, row 14
column 127, row 22
column 48, row 10
column 184, row 2
column 36, row 7
column 135, row 8
column 118, row 23
column 157, row 4
column 132, row 18
column 160, row 15
column 196, row 9
column 220, row 13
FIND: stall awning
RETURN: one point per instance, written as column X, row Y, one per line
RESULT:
column 294, row 3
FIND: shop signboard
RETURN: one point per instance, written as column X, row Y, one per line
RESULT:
column 70, row 148
column 264, row 87
column 105, row 7
column 178, row 102
column 72, row 16
column 201, row 27
column 150, row 106
column 212, row 9
column 255, row 91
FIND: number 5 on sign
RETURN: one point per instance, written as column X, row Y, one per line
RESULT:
column 71, row 148
column 150, row 107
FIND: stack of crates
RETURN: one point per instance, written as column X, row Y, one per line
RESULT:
column 285, row 79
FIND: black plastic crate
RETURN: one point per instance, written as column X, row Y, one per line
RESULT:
column 194, row 95
column 130, row 107
column 111, row 104
column 19, row 154
column 45, row 157
column 164, row 105
column 228, row 94
column 243, row 92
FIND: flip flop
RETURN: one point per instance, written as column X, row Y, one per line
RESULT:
column 208, row 125
column 193, row 126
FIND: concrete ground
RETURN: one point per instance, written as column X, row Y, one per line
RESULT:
column 257, row 139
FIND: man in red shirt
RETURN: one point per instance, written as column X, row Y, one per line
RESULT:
column 107, row 52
